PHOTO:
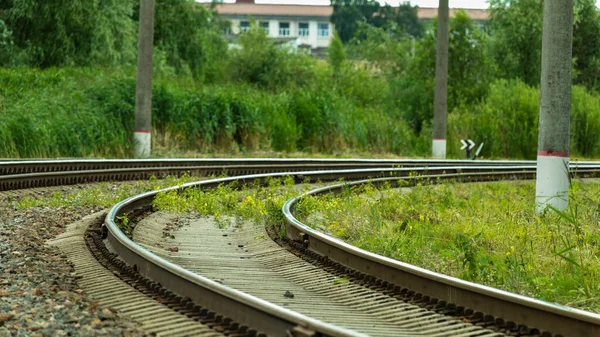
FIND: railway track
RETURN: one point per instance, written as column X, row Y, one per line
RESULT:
column 383, row 296
column 39, row 173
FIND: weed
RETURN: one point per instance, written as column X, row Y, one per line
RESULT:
column 340, row 280
column 124, row 224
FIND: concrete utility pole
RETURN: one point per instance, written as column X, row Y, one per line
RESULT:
column 142, row 136
column 552, row 182
column 441, row 84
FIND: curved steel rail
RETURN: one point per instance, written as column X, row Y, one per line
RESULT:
column 558, row 319
column 253, row 311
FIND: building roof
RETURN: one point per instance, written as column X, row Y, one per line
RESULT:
column 474, row 14
column 320, row 11
column 275, row 10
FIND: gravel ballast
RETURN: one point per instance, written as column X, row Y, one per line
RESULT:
column 39, row 294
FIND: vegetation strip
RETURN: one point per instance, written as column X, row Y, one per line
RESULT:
column 474, row 232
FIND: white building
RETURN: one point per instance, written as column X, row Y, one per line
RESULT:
column 306, row 26
column 302, row 25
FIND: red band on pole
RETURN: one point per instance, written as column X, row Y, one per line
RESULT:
column 141, row 131
column 553, row 154
column 439, row 138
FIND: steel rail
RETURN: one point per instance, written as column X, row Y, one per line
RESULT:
column 51, row 165
column 41, row 173
column 263, row 316
column 86, row 171
column 12, row 167
column 558, row 319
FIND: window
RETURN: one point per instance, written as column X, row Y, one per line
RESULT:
column 265, row 27
column 303, row 29
column 244, row 26
column 284, row 29
column 323, row 29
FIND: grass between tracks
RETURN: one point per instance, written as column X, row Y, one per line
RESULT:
column 486, row 233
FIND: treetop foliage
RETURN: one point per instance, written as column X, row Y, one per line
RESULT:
column 63, row 32
column 349, row 14
column 516, row 40
column 53, row 33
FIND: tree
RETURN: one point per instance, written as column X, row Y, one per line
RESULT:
column 441, row 84
column 405, row 16
column 347, row 15
column 190, row 36
column 552, row 178
column 586, row 43
column 68, row 32
column 516, row 30
column 469, row 71
column 387, row 49
column 6, row 44
column 516, row 40
column 337, row 54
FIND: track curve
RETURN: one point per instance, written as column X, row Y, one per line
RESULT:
column 273, row 320
column 577, row 323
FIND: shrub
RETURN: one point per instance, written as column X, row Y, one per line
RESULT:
column 90, row 112
column 509, row 118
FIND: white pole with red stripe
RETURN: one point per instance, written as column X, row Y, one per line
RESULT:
column 552, row 182
column 142, row 139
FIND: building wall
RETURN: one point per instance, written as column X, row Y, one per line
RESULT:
column 314, row 38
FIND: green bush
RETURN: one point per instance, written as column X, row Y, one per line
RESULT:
column 508, row 116
column 89, row 112
column 585, row 122
column 47, row 114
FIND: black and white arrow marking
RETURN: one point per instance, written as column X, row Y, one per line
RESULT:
column 470, row 144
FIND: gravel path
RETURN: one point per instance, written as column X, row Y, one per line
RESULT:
column 39, row 295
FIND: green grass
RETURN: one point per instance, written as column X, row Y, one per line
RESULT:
column 100, row 194
column 486, row 233
column 258, row 203
column 81, row 112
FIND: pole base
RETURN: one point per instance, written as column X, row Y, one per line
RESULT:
column 552, row 182
column 142, row 144
column 439, row 149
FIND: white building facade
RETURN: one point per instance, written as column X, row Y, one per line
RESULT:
column 303, row 26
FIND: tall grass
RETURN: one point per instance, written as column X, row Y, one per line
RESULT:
column 84, row 112
column 508, row 116
column 74, row 112
column 46, row 114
